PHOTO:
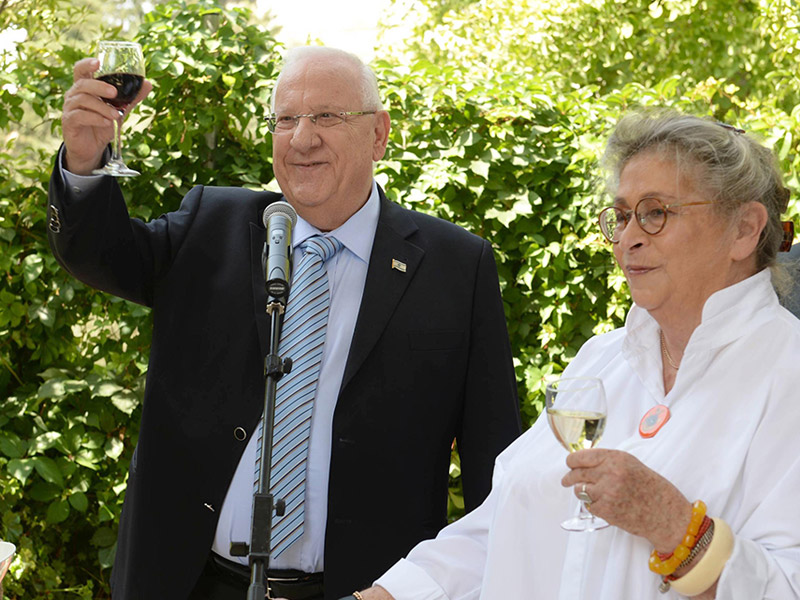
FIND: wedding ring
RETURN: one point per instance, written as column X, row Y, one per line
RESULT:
column 583, row 495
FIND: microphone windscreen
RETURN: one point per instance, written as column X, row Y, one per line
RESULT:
column 281, row 207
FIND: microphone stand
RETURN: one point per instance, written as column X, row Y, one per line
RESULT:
column 263, row 501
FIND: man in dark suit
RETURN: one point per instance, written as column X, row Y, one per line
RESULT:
column 416, row 352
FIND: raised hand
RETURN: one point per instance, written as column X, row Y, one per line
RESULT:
column 87, row 122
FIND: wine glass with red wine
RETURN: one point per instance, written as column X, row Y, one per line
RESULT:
column 121, row 65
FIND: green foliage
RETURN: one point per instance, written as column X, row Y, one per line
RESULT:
column 501, row 115
column 205, row 123
column 499, row 110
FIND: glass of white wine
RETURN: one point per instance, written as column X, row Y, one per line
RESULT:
column 576, row 412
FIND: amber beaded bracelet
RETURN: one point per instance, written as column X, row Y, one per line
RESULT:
column 669, row 565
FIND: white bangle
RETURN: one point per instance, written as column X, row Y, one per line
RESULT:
column 708, row 569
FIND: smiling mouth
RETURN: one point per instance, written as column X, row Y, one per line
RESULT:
column 638, row 269
column 308, row 164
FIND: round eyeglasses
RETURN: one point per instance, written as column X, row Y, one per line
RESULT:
column 651, row 214
column 286, row 123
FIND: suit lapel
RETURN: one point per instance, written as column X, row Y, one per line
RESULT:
column 385, row 283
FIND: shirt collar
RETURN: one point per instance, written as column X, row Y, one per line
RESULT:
column 736, row 304
column 356, row 234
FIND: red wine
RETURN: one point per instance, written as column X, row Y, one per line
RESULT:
column 127, row 84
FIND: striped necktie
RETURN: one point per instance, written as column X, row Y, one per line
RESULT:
column 302, row 340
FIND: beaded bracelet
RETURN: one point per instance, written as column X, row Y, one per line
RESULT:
column 705, row 537
column 682, row 550
column 710, row 566
column 707, row 522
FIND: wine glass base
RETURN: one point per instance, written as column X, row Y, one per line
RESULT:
column 584, row 524
column 116, row 170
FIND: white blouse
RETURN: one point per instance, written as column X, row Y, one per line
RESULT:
column 730, row 441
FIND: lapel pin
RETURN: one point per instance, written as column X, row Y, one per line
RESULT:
column 400, row 266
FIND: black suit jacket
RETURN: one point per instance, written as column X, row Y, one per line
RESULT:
column 429, row 362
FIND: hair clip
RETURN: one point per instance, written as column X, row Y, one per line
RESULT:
column 788, row 236
column 730, row 127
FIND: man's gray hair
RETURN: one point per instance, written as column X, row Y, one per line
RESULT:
column 370, row 95
column 724, row 161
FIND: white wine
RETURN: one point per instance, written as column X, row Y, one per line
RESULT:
column 575, row 429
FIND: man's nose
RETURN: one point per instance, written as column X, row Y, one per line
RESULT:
column 305, row 135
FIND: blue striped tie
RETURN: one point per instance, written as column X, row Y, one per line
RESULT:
column 302, row 340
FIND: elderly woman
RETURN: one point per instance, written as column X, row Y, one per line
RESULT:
column 709, row 355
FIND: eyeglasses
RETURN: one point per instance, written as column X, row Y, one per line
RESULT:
column 286, row 123
column 651, row 214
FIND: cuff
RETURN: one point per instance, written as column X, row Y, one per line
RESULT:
column 77, row 185
column 408, row 581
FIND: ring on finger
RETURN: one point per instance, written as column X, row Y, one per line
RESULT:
column 583, row 495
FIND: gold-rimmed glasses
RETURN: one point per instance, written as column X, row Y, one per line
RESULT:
column 286, row 123
column 651, row 214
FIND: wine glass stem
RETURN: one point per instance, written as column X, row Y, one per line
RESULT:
column 584, row 512
column 116, row 154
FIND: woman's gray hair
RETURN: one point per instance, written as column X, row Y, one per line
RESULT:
column 370, row 95
column 726, row 162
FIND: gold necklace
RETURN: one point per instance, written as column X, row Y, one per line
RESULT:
column 666, row 353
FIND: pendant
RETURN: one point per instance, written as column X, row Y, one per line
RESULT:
column 653, row 420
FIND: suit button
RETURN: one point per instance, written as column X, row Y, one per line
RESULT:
column 240, row 434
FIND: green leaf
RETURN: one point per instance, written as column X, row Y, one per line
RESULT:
column 79, row 501
column 21, row 468
column 48, row 470
column 54, row 388
column 44, row 492
column 114, row 448
column 103, row 537
column 126, row 401
column 105, row 389
column 32, row 267
column 105, row 556
column 43, row 442
column 11, row 445
column 57, row 512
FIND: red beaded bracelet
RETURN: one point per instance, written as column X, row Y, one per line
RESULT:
column 670, row 565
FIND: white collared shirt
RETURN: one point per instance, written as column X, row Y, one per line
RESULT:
column 729, row 442
column 347, row 273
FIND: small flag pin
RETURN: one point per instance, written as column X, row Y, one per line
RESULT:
column 400, row 266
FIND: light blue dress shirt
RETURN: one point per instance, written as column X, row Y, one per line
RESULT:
column 347, row 272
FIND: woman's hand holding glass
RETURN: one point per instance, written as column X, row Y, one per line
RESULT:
column 629, row 495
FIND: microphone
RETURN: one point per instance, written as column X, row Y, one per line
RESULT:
column 279, row 218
